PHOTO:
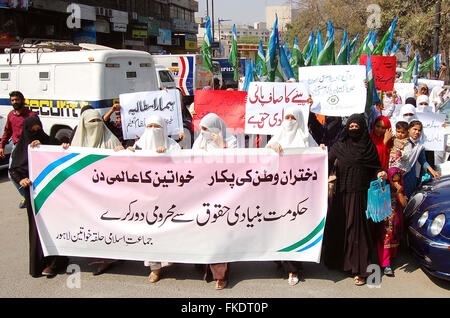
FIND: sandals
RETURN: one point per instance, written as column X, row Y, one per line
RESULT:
column 359, row 281
column 388, row 271
column 49, row 272
column 221, row 284
column 293, row 279
column 154, row 276
column 102, row 268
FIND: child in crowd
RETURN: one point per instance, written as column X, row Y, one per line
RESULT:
column 391, row 227
column 402, row 147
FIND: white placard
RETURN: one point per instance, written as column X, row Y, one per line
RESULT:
column 404, row 90
column 266, row 103
column 135, row 107
column 430, row 83
column 433, row 131
column 337, row 90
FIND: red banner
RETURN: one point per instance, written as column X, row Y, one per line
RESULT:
column 383, row 68
column 228, row 105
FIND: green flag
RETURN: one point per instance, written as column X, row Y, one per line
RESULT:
column 233, row 58
column 353, row 44
column 309, row 45
column 206, row 47
column 297, row 59
column 407, row 75
column 271, row 53
column 380, row 49
column 370, row 45
column 431, row 65
column 342, row 58
column 261, row 61
column 355, row 58
column 317, row 48
column 326, row 56
column 370, row 88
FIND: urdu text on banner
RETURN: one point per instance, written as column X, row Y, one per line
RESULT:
column 433, row 130
column 336, row 90
column 192, row 207
column 266, row 103
column 136, row 107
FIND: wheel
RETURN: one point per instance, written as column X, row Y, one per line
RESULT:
column 64, row 135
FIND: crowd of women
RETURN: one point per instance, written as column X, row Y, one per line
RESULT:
column 359, row 151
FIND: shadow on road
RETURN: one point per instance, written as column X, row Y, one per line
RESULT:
column 4, row 175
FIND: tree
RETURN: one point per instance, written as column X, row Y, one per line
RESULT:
column 415, row 21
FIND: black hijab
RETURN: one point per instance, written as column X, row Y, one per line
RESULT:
column 20, row 153
column 355, row 147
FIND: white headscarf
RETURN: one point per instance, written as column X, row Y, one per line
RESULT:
column 435, row 98
column 407, row 109
column 424, row 108
column 94, row 134
column 153, row 137
column 214, row 124
column 422, row 99
column 293, row 134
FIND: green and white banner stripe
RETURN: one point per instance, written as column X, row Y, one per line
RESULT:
column 56, row 173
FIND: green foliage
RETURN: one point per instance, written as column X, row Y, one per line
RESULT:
column 415, row 21
column 249, row 39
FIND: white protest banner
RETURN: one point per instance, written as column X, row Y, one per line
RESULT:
column 404, row 90
column 430, row 83
column 336, row 90
column 192, row 207
column 433, row 131
column 135, row 107
column 266, row 103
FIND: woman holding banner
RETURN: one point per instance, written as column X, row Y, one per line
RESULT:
column 92, row 132
column 155, row 138
column 292, row 134
column 33, row 135
column 215, row 135
column 348, row 240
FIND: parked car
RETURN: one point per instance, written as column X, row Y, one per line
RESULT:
column 427, row 225
column 443, row 165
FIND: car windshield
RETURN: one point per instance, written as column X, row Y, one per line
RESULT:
column 165, row 76
column 445, row 109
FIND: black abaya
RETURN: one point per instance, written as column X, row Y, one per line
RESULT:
column 19, row 171
column 348, row 239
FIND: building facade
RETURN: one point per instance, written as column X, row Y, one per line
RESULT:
column 149, row 25
column 286, row 14
column 224, row 35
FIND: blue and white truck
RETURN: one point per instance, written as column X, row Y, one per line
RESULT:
column 228, row 71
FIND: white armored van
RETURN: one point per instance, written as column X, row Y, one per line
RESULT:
column 56, row 85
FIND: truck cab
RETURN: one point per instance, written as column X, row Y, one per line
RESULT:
column 165, row 77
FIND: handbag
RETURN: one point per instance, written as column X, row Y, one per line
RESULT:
column 378, row 201
column 332, row 181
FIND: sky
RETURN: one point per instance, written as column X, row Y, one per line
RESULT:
column 238, row 11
